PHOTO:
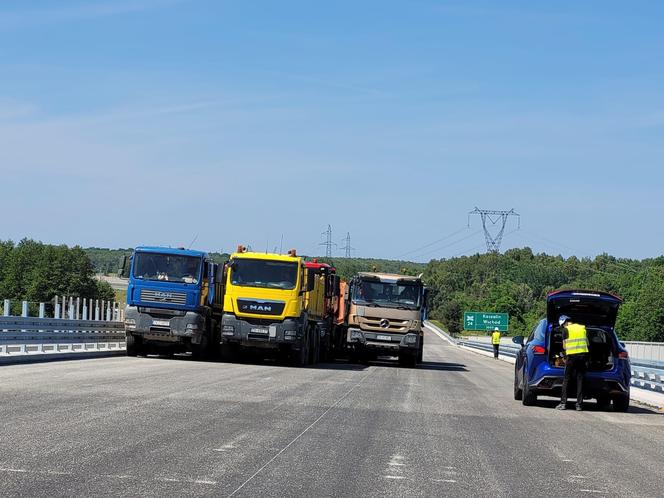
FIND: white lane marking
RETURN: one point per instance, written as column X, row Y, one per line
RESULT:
column 593, row 491
column 396, row 461
column 226, row 447
column 396, row 464
column 443, row 480
column 334, row 405
column 567, row 461
column 394, row 477
column 108, row 476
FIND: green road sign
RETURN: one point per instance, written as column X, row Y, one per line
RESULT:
column 473, row 320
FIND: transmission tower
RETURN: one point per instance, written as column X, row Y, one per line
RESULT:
column 491, row 218
column 347, row 247
column 328, row 242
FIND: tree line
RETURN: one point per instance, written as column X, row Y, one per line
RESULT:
column 518, row 281
column 37, row 272
column 515, row 282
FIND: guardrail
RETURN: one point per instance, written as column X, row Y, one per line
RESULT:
column 648, row 375
column 30, row 336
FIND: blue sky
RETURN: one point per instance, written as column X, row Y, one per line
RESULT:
column 157, row 121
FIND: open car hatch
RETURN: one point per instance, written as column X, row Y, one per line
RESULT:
column 592, row 308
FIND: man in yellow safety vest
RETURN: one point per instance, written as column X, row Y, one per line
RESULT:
column 575, row 345
column 495, row 340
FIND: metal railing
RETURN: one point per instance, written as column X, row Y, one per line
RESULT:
column 25, row 337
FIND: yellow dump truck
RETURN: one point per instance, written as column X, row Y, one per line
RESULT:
column 271, row 305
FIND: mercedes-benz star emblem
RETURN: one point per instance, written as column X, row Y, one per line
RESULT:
column 384, row 323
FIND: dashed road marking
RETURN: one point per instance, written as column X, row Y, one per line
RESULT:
column 597, row 491
column 444, row 480
column 394, row 477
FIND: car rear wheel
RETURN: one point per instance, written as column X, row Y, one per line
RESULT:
column 518, row 393
column 621, row 403
column 529, row 397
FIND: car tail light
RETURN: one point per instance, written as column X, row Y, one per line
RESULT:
column 623, row 355
column 539, row 350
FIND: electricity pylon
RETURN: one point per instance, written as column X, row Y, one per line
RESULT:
column 347, row 247
column 493, row 217
column 328, row 242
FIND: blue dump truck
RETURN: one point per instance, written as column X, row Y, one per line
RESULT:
column 174, row 302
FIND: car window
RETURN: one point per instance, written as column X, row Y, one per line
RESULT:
column 539, row 331
column 532, row 334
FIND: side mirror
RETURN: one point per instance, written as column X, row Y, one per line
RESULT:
column 122, row 269
column 311, row 281
column 518, row 340
column 337, row 286
column 212, row 273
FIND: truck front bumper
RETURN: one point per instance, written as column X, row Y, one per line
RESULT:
column 188, row 326
column 276, row 335
column 386, row 342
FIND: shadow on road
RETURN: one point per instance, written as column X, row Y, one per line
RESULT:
column 592, row 406
column 440, row 365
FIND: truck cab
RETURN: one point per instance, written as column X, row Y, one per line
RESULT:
column 173, row 301
column 384, row 316
column 265, row 306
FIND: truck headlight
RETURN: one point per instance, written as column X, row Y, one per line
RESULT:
column 356, row 335
column 130, row 323
column 228, row 330
column 290, row 335
column 410, row 339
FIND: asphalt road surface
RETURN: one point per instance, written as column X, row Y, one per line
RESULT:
column 174, row 427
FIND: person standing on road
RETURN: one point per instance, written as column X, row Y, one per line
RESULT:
column 575, row 346
column 495, row 340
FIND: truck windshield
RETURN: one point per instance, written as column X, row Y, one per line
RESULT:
column 167, row 267
column 388, row 294
column 262, row 273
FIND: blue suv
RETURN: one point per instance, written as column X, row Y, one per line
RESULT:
column 539, row 369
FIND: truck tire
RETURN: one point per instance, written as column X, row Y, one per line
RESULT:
column 134, row 345
column 315, row 345
column 201, row 352
column 420, row 351
column 407, row 359
column 301, row 356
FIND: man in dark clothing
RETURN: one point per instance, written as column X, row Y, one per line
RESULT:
column 575, row 344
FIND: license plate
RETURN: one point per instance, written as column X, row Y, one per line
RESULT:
column 259, row 331
column 161, row 323
column 384, row 337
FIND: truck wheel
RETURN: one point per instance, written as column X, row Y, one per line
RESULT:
column 420, row 351
column 315, row 342
column 621, row 403
column 407, row 359
column 201, row 351
column 133, row 345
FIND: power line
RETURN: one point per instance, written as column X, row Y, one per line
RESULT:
column 451, row 244
column 493, row 217
column 432, row 243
